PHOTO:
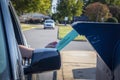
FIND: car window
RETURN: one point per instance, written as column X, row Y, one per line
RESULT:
column 16, row 26
column 3, row 54
column 48, row 21
column 19, row 38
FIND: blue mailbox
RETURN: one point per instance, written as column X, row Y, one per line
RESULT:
column 105, row 39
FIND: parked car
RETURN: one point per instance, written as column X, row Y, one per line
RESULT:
column 32, row 18
column 12, row 66
column 24, row 18
column 36, row 18
column 49, row 23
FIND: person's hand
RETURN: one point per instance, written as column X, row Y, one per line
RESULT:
column 51, row 45
column 25, row 51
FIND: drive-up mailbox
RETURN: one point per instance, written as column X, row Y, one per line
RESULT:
column 105, row 39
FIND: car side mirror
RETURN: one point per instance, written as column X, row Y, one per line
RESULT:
column 47, row 59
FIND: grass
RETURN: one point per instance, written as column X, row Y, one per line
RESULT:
column 28, row 26
column 63, row 30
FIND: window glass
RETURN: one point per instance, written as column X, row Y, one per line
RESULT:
column 49, row 21
column 2, row 48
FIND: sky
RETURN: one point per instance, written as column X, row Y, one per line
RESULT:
column 54, row 2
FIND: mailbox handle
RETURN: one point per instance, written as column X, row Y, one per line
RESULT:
column 67, row 39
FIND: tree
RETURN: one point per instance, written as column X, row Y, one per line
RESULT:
column 104, row 1
column 25, row 6
column 108, row 2
column 87, row 2
column 77, row 8
column 112, row 19
column 69, row 8
column 97, row 11
column 44, row 6
column 117, row 3
column 115, row 11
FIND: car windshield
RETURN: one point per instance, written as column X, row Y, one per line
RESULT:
column 48, row 21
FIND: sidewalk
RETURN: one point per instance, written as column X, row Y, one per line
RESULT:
column 77, row 65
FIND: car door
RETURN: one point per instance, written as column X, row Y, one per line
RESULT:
column 20, row 38
column 13, row 57
column 4, row 60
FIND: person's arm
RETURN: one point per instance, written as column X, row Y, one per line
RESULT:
column 27, row 52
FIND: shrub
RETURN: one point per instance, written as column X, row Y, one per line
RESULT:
column 96, row 11
column 112, row 19
column 115, row 11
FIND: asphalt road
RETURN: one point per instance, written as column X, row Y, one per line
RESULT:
column 39, row 38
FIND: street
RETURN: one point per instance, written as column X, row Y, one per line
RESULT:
column 39, row 38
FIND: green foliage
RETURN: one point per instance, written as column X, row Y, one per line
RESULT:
column 25, row 6
column 44, row 6
column 104, row 1
column 64, row 30
column 117, row 3
column 69, row 8
column 112, row 19
column 115, row 11
column 96, row 11
column 55, row 16
column 108, row 2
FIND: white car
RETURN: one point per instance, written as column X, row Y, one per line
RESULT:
column 49, row 23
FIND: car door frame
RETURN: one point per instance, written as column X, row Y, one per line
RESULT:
column 13, row 51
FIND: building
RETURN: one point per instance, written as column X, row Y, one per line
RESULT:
column 54, row 6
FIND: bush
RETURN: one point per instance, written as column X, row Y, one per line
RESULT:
column 115, row 11
column 56, row 22
column 112, row 19
column 96, row 11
